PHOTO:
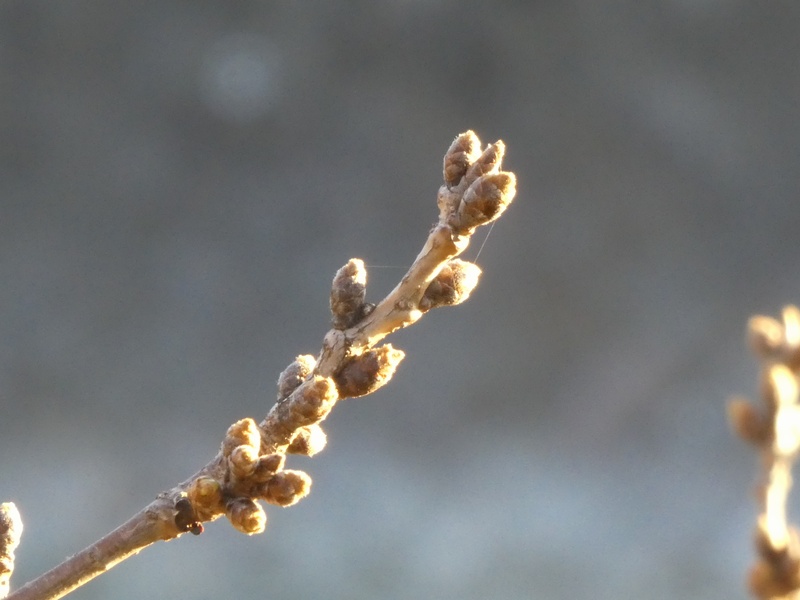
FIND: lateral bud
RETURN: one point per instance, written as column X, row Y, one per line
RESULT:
column 366, row 373
column 452, row 285
column 347, row 294
column 286, row 488
column 308, row 441
column 246, row 515
column 244, row 432
column 295, row 374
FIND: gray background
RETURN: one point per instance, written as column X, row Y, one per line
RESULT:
column 179, row 181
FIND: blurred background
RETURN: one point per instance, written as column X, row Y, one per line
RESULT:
column 179, row 181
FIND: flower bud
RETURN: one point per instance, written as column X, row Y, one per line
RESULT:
column 488, row 162
column 267, row 466
column 347, row 294
column 452, row 285
column 308, row 441
column 366, row 373
column 464, row 150
column 746, row 421
column 286, row 488
column 295, row 374
column 484, row 201
column 242, row 461
column 246, row 515
column 205, row 494
column 765, row 336
column 244, row 432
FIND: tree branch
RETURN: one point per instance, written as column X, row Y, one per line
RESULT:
column 250, row 464
column 774, row 430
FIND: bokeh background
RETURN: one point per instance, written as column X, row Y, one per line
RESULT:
column 179, row 181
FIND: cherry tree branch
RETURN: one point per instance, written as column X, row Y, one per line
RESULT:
column 773, row 428
column 249, row 467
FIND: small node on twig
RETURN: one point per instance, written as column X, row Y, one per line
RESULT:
column 348, row 291
column 366, row 373
column 286, row 488
column 452, row 285
column 295, row 374
column 10, row 534
column 464, row 151
column 308, row 441
column 186, row 519
column 246, row 515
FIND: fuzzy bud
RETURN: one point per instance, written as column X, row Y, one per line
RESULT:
column 287, row 488
column 246, row 515
column 452, row 285
column 243, row 460
column 10, row 534
column 366, row 373
column 244, row 432
column 310, row 403
column 267, row 466
column 747, row 422
column 205, row 494
column 484, row 201
column 308, row 441
column 464, row 150
column 295, row 374
column 488, row 162
column 347, row 294
column 765, row 336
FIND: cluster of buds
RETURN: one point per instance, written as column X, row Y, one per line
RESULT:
column 476, row 191
column 773, row 428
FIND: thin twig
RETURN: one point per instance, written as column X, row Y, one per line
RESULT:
column 250, row 464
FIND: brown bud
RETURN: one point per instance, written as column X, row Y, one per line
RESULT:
column 347, row 294
column 765, row 336
column 205, row 494
column 242, row 461
column 488, row 162
column 484, row 201
column 308, row 441
column 286, row 488
column 244, row 432
column 313, row 400
column 267, row 466
column 246, row 515
column 452, row 285
column 295, row 374
column 366, row 373
column 747, row 422
column 10, row 534
column 464, row 150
